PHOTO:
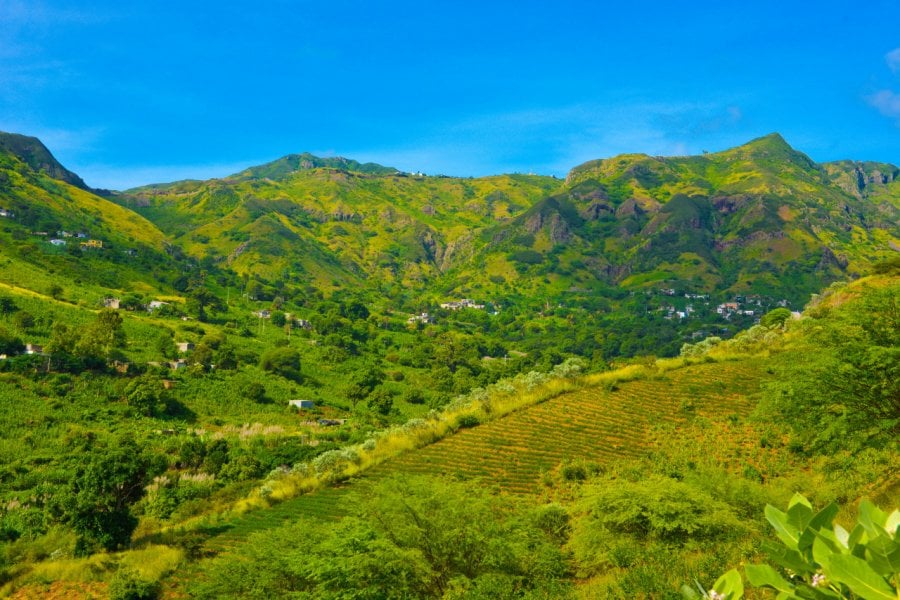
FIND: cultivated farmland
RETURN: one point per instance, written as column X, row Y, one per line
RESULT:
column 596, row 424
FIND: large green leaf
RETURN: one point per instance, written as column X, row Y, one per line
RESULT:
column 884, row 555
column 872, row 518
column 766, row 576
column 799, row 512
column 857, row 575
column 730, row 585
column 821, row 520
column 786, row 532
column 822, row 551
column 789, row 559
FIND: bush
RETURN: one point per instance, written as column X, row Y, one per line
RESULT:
column 467, row 421
column 128, row 585
column 283, row 361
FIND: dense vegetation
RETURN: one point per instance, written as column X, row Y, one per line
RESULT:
column 531, row 441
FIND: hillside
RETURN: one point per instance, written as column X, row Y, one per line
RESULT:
column 508, row 332
column 331, row 220
column 693, row 427
column 760, row 219
column 33, row 153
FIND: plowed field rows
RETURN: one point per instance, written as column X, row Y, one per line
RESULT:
column 592, row 424
column 512, row 453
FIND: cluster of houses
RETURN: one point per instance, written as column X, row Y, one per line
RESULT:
column 727, row 309
column 461, row 304
column 751, row 306
column 61, row 239
column 288, row 318
column 452, row 305
column 673, row 313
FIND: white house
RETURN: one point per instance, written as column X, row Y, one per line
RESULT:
column 302, row 404
column 154, row 304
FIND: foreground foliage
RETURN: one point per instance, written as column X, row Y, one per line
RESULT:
column 410, row 538
column 820, row 560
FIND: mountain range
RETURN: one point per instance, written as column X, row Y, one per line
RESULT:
column 761, row 218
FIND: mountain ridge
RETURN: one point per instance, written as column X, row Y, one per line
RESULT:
column 35, row 154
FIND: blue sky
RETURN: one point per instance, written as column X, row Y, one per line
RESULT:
column 127, row 93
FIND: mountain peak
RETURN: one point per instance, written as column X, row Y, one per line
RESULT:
column 35, row 154
column 292, row 163
column 772, row 141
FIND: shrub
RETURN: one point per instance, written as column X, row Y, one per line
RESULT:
column 283, row 361
column 128, row 585
column 466, row 421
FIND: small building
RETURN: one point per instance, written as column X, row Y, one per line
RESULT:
column 263, row 314
column 6, row 213
column 155, row 304
column 303, row 324
column 184, row 346
column 111, row 303
column 302, row 404
column 176, row 365
column 421, row 318
column 34, row 349
column 58, row 242
column 97, row 244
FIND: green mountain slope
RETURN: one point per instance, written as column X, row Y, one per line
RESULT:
column 33, row 153
column 55, row 230
column 334, row 221
column 760, row 219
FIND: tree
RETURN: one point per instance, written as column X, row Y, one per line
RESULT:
column 381, row 400
column 55, row 291
column 103, row 336
column 144, row 395
column 62, row 339
column 104, row 486
column 362, row 382
column 255, row 392
column 7, row 306
column 23, row 320
column 284, row 361
column 775, row 318
column 9, row 342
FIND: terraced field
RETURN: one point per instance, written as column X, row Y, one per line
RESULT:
column 591, row 424
column 514, row 452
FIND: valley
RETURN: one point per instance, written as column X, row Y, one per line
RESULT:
column 216, row 388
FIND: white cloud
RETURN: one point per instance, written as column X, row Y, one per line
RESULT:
column 887, row 102
column 893, row 60
column 555, row 139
